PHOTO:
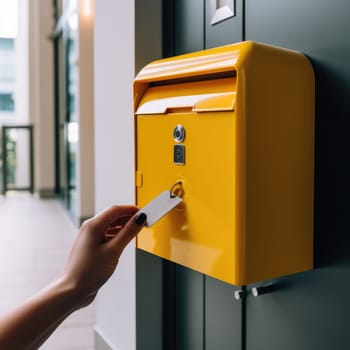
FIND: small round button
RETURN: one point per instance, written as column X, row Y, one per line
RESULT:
column 179, row 133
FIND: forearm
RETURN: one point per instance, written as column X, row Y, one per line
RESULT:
column 28, row 326
column 92, row 260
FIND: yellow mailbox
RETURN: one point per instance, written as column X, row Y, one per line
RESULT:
column 233, row 128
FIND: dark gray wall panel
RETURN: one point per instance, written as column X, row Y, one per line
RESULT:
column 310, row 310
column 223, row 315
column 307, row 311
column 149, row 297
column 226, row 32
column 148, row 32
column 189, row 311
column 188, row 26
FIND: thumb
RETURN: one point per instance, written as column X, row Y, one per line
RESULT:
column 128, row 232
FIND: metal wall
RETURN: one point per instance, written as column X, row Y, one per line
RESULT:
column 303, row 311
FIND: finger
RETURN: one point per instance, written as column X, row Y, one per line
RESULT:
column 116, row 226
column 114, row 212
column 110, row 215
column 112, row 233
column 128, row 232
column 120, row 222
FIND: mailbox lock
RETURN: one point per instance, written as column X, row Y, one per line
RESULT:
column 176, row 190
column 179, row 133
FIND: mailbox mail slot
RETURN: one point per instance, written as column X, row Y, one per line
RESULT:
column 245, row 160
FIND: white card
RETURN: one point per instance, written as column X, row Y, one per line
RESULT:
column 159, row 206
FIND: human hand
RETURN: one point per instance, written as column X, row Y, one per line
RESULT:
column 97, row 248
column 93, row 258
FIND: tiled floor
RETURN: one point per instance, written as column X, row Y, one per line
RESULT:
column 35, row 240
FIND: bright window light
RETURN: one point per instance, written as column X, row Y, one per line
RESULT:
column 87, row 8
column 73, row 132
column 8, row 18
column 73, row 22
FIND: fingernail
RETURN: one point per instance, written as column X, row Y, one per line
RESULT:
column 141, row 219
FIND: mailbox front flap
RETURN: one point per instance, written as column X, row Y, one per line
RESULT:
column 205, row 96
column 196, row 103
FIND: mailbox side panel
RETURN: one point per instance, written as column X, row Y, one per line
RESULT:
column 279, row 123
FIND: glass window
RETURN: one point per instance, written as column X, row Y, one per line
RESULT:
column 6, row 102
column 7, row 75
column 7, row 60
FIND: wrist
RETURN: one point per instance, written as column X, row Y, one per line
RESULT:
column 72, row 293
column 67, row 292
